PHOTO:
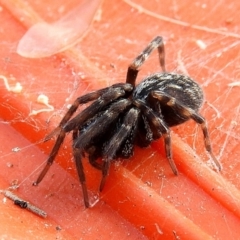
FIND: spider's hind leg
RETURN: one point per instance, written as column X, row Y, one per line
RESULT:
column 200, row 120
column 186, row 113
column 159, row 128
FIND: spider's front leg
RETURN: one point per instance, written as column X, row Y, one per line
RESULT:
column 77, row 153
column 62, row 132
column 81, row 100
column 118, row 89
column 109, row 152
column 133, row 69
column 186, row 113
column 91, row 133
column 103, row 96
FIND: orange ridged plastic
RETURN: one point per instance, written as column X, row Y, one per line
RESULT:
column 142, row 198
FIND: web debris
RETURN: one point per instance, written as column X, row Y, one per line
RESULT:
column 234, row 84
column 141, row 9
column 16, row 89
column 43, row 99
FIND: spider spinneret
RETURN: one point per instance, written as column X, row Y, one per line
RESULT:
column 124, row 115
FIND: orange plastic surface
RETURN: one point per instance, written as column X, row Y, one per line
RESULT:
column 142, row 198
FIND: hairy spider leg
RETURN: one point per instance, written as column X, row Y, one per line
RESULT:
column 133, row 69
column 81, row 100
column 99, row 126
column 144, row 135
column 155, row 105
column 125, row 150
column 104, row 97
column 78, row 160
column 109, row 96
column 160, row 128
column 109, row 151
column 187, row 112
column 85, row 99
column 93, row 157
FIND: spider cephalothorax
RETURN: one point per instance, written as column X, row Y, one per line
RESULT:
column 125, row 115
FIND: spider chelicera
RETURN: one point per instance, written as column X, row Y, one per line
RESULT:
column 124, row 115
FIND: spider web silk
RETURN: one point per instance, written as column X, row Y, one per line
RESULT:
column 198, row 43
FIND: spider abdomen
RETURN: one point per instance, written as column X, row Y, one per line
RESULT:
column 180, row 88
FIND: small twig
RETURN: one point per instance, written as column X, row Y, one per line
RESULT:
column 24, row 204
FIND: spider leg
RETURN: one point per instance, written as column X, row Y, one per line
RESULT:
column 94, row 155
column 118, row 89
column 155, row 105
column 78, row 160
column 51, row 157
column 186, row 113
column 160, row 129
column 144, row 133
column 201, row 120
column 77, row 153
column 133, row 69
column 81, row 100
column 105, row 171
column 127, row 148
column 99, row 126
column 109, row 152
column 102, row 123
column 108, row 95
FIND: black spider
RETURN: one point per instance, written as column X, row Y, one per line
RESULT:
column 125, row 115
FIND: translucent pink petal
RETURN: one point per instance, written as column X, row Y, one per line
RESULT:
column 44, row 39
